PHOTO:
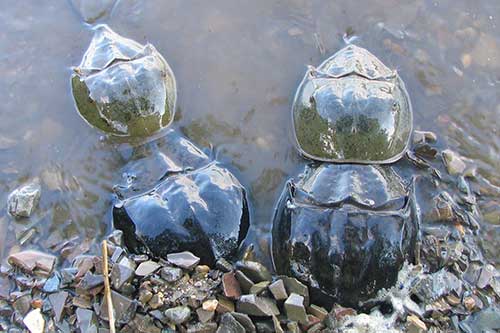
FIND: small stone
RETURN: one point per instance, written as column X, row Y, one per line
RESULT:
column 487, row 272
column 116, row 237
column 293, row 327
column 5, row 287
column 82, row 301
column 125, row 308
column 145, row 296
column 277, row 325
column 223, row 265
column 210, row 305
column 204, row 315
column 244, row 281
column 22, row 304
column 257, row 306
column 294, row 307
column 293, row 285
column 30, row 260
column 156, row 301
column 229, row 324
column 258, row 288
column 37, row 303
column 469, row 303
column 244, row 320
column 34, row 321
column 185, row 260
column 202, row 328
column 316, row 328
column 224, row 305
column 231, row 286
column 120, row 275
column 58, row 301
column 202, row 269
column 178, row 315
column 89, row 284
column 254, row 270
column 423, row 137
column 341, row 312
column 171, row 274
column 415, row 325
column 278, row 290
column 24, row 199
column 318, row 311
column 453, row 162
column 452, row 300
column 117, row 255
column 87, row 320
column 52, row 284
column 147, row 268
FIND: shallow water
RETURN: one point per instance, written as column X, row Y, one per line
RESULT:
column 237, row 66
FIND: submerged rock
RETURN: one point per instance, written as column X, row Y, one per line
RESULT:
column 24, row 199
column 122, row 87
column 93, row 10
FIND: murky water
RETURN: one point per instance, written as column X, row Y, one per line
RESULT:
column 237, row 65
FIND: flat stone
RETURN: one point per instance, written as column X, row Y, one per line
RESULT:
column 23, row 200
column 52, row 284
column 204, row 315
column 87, row 320
column 89, row 283
column 245, row 282
column 147, row 268
column 224, row 305
column 228, row 324
column 171, row 274
column 116, row 237
column 278, row 290
column 58, row 301
column 231, row 286
column 318, row 311
column 202, row 328
column 245, row 321
column 453, row 162
column 257, row 306
column 293, row 285
column 124, row 308
column 120, row 275
column 254, row 270
column 30, row 260
column 258, row 288
column 294, row 308
column 487, row 272
column 178, row 315
column 185, row 260
column 34, row 321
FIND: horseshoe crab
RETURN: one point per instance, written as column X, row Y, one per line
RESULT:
column 346, row 227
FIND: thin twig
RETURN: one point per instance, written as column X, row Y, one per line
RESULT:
column 107, row 290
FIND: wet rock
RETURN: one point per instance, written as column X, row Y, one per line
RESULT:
column 31, row 260
column 244, row 281
column 205, row 315
column 34, row 321
column 487, row 320
column 245, row 321
column 229, row 324
column 58, row 301
column 223, row 265
column 147, row 268
column 125, row 308
column 254, row 270
column 171, row 274
column 231, row 286
column 278, row 290
column 224, row 305
column 120, row 275
column 453, row 162
column 178, row 315
column 87, row 321
column 52, row 284
column 24, row 199
column 294, row 308
column 436, row 285
column 257, row 306
column 202, row 328
column 258, row 288
column 185, row 260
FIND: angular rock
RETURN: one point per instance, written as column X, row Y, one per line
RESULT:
column 120, row 275
column 436, row 285
column 90, row 283
column 22, row 304
column 34, row 321
column 487, row 272
column 24, row 199
column 277, row 325
column 244, row 281
column 258, row 288
column 487, row 320
column 293, row 285
column 178, row 315
column 171, row 274
column 254, row 270
column 223, row 265
column 52, row 284
column 257, row 306
column 156, row 301
column 125, row 308
column 58, row 301
column 147, row 268
column 453, row 162
column 294, row 308
column 231, row 286
column 229, row 324
column 87, row 321
column 5, row 287
column 415, row 325
column 202, row 328
column 224, row 305
column 30, row 260
column 245, row 321
column 278, row 290
column 205, row 315
column 185, row 259
column 318, row 311
column 210, row 305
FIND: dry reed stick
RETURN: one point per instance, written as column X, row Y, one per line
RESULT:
column 107, row 290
